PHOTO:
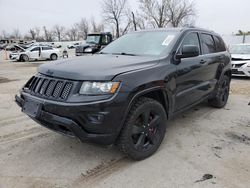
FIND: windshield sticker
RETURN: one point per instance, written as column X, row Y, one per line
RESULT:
column 168, row 39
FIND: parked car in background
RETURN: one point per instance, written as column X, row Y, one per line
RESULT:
column 94, row 43
column 15, row 50
column 240, row 59
column 72, row 46
column 127, row 92
column 2, row 46
column 38, row 53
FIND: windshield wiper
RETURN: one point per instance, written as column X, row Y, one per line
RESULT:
column 102, row 53
column 123, row 53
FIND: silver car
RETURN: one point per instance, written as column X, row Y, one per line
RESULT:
column 38, row 53
column 240, row 60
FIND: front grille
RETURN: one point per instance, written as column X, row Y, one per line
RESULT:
column 50, row 88
column 239, row 59
column 238, row 65
column 235, row 71
column 79, row 49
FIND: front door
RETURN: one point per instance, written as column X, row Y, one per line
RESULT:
column 35, row 53
column 190, row 78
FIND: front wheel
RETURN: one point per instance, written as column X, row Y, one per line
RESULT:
column 143, row 130
column 24, row 58
column 221, row 93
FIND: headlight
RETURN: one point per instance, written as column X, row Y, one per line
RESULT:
column 88, row 50
column 99, row 88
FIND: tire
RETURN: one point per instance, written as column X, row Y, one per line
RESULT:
column 53, row 57
column 24, row 58
column 144, row 129
column 221, row 93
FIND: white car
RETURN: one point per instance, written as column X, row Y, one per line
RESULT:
column 38, row 53
column 240, row 59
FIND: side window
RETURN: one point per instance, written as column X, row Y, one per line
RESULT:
column 207, row 43
column 35, row 49
column 105, row 39
column 190, row 39
column 219, row 43
column 47, row 48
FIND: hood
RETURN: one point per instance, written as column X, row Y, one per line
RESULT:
column 96, row 67
column 240, row 57
column 86, row 45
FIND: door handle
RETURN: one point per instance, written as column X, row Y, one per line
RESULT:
column 221, row 57
column 203, row 62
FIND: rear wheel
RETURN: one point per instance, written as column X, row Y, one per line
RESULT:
column 53, row 57
column 143, row 130
column 221, row 94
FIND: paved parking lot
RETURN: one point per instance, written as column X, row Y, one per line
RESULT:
column 203, row 147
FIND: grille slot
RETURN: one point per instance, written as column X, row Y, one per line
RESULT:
column 51, row 88
column 239, row 65
column 58, row 89
column 66, row 90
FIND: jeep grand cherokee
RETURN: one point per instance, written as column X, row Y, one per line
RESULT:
column 127, row 92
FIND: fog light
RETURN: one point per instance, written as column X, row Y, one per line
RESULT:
column 96, row 118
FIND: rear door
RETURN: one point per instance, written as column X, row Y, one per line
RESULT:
column 212, row 57
column 46, row 52
column 223, row 57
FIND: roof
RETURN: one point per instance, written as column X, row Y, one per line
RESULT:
column 99, row 33
column 244, row 44
column 177, row 29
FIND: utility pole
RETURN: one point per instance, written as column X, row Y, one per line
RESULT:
column 133, row 17
column 244, row 37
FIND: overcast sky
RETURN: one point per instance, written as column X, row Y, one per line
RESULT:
column 222, row 16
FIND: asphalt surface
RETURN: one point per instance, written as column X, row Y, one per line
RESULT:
column 203, row 147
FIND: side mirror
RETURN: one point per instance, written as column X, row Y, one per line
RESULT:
column 188, row 51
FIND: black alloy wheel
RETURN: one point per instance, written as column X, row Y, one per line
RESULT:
column 144, row 129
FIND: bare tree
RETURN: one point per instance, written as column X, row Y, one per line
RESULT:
column 58, row 31
column 34, row 33
column 167, row 12
column 95, row 26
column 136, row 20
column 47, row 34
column 16, row 34
column 155, row 12
column 180, row 12
column 113, row 12
column 83, row 27
column 72, row 33
column 4, row 34
column 127, row 23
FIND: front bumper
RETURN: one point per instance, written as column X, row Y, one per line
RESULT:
column 243, row 71
column 99, row 123
column 83, row 53
column 13, row 56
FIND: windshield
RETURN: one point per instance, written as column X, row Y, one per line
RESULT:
column 240, row 49
column 142, row 43
column 95, row 39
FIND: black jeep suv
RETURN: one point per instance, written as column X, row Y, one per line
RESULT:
column 127, row 92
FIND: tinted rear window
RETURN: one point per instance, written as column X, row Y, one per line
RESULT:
column 219, row 43
column 207, row 43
